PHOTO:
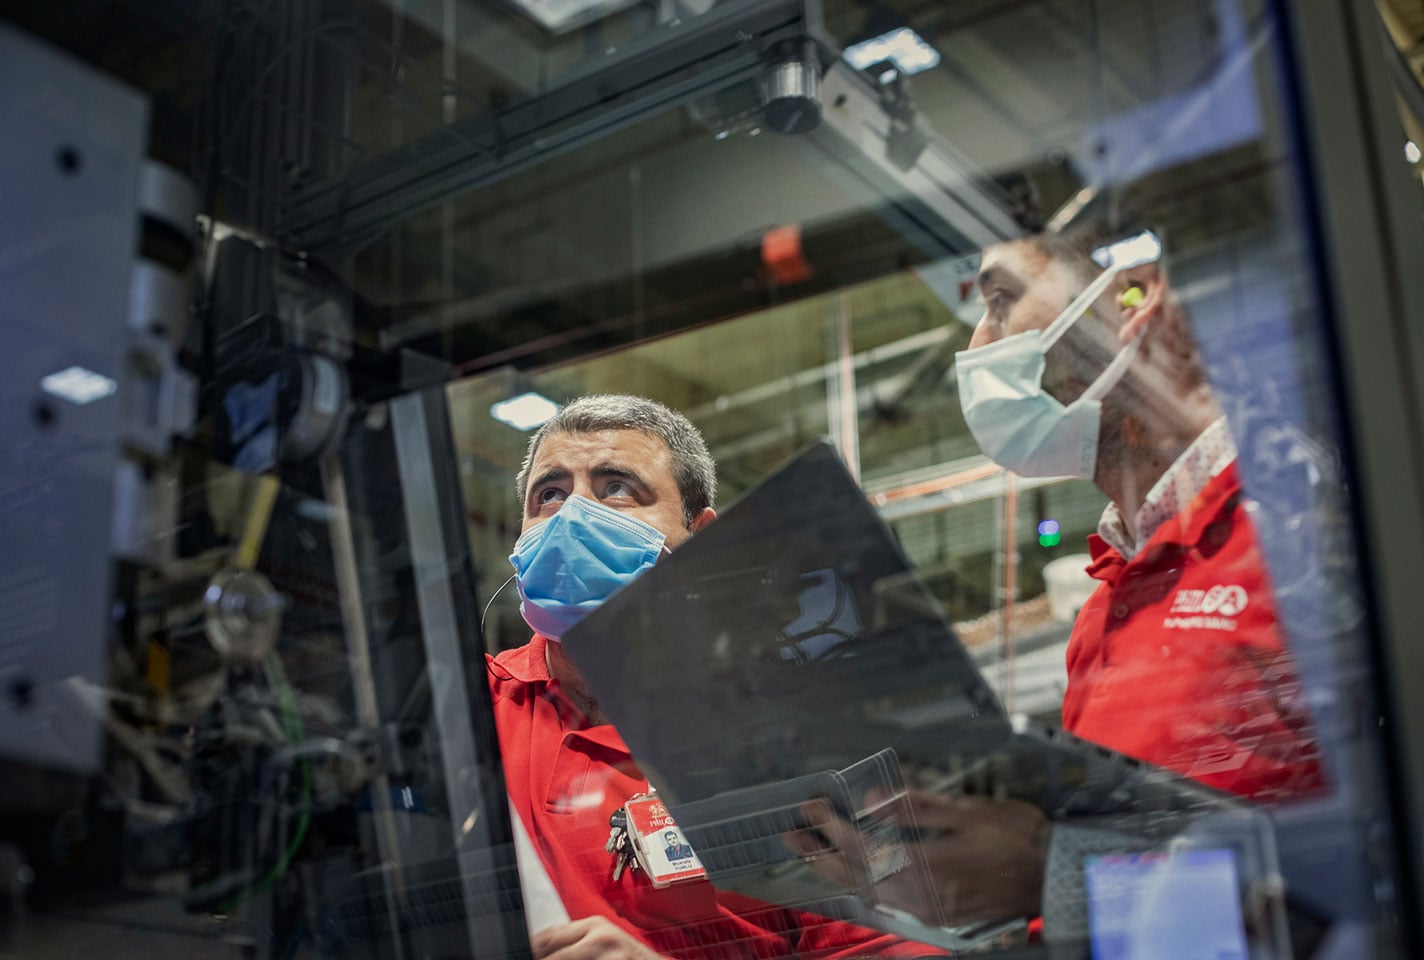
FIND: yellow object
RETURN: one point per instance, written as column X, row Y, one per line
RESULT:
column 256, row 529
column 1132, row 297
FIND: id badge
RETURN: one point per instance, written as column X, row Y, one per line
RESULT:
column 659, row 846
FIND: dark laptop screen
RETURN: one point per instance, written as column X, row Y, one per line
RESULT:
column 790, row 637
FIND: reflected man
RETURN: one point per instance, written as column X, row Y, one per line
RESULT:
column 1177, row 658
column 1082, row 370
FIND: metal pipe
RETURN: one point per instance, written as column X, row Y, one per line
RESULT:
column 363, row 684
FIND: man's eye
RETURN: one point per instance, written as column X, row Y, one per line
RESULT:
column 617, row 488
column 550, row 494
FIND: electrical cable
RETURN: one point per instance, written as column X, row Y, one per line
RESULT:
column 292, row 722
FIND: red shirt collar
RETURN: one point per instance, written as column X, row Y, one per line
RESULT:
column 1185, row 529
column 527, row 664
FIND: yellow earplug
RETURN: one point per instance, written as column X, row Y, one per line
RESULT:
column 1132, row 297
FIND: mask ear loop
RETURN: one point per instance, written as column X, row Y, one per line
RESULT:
column 1113, row 372
column 1134, row 252
column 1055, row 330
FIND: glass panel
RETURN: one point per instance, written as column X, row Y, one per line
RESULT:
column 1023, row 614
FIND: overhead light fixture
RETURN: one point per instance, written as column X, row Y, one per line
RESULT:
column 1411, row 151
column 524, row 412
column 559, row 16
column 78, row 385
column 903, row 47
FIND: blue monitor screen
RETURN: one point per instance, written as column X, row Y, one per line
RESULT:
column 1178, row 906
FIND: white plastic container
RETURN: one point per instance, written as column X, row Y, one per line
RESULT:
column 1068, row 584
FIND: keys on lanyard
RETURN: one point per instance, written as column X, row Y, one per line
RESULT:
column 619, row 844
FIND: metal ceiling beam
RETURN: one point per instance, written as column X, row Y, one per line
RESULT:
column 669, row 66
column 941, row 201
column 938, row 199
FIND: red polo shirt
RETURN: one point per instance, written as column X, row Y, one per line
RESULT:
column 1177, row 658
column 565, row 778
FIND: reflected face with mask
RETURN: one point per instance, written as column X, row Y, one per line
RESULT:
column 1024, row 288
column 1051, row 345
column 600, row 508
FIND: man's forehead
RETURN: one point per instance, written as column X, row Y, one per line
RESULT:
column 1020, row 258
column 619, row 444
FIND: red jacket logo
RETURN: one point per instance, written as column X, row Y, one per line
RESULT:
column 1223, row 600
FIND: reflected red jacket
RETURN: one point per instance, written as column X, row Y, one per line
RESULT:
column 565, row 778
column 1177, row 658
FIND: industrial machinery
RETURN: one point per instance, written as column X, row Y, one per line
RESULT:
column 242, row 671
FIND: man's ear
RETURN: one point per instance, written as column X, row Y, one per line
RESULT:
column 1142, row 300
column 702, row 519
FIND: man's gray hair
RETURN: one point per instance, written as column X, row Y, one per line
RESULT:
column 692, row 465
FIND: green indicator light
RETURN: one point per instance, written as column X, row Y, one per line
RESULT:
column 1049, row 539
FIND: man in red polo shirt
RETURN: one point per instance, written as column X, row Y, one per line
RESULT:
column 1084, row 365
column 610, row 485
column 1090, row 370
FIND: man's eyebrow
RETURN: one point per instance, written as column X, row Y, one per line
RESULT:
column 606, row 470
column 549, row 476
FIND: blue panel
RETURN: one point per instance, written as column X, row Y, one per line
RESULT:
column 75, row 140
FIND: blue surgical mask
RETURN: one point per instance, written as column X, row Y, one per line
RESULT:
column 569, row 564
